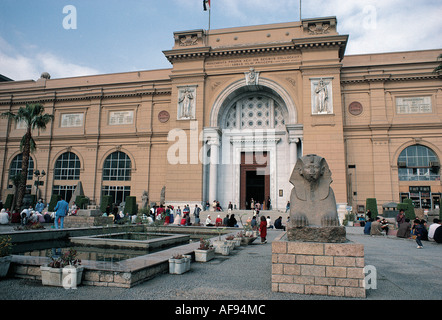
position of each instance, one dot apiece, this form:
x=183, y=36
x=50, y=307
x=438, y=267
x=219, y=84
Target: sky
x=70, y=38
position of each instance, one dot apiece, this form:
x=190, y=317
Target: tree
x=33, y=117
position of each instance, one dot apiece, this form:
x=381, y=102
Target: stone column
x=293, y=151
x=295, y=135
x=212, y=138
x=213, y=169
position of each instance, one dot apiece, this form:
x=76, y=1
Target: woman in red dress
x=263, y=229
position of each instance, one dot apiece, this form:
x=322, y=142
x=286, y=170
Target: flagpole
x=300, y=6
x=209, y=18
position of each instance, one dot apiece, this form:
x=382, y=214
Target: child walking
x=263, y=229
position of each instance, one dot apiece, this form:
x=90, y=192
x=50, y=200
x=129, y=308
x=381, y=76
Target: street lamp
x=37, y=183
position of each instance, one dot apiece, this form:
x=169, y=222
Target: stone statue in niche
x=321, y=97
x=186, y=104
x=252, y=77
x=313, y=212
x=313, y=200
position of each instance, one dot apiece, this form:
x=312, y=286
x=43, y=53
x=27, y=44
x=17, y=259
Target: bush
x=8, y=202
x=131, y=205
x=105, y=201
x=371, y=204
x=54, y=199
x=81, y=202
x=409, y=211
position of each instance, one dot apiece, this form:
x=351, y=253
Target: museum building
x=230, y=118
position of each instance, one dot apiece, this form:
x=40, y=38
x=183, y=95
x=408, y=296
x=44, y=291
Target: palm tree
x=33, y=116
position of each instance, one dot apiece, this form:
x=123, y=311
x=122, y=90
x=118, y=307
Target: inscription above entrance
x=247, y=62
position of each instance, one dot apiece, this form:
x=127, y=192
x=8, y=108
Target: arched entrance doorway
x=253, y=143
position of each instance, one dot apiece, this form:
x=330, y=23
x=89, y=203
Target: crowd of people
x=167, y=215
x=418, y=230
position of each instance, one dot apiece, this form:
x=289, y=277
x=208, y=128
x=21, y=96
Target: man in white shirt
x=436, y=223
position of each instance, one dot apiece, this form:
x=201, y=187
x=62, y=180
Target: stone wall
x=83, y=222
x=318, y=268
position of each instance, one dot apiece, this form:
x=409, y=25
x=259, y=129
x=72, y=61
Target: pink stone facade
x=318, y=268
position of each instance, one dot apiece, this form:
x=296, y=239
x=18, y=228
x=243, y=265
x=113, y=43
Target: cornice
x=60, y=97
x=295, y=44
x=389, y=77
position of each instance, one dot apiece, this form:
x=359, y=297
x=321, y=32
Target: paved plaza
x=403, y=273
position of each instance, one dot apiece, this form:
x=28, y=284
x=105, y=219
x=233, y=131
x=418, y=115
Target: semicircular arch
x=238, y=88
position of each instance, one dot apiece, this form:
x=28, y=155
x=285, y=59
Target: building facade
x=231, y=117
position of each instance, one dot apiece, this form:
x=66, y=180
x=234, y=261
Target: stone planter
x=204, y=255
x=68, y=277
x=237, y=242
x=4, y=265
x=223, y=249
x=179, y=266
x=232, y=244
x=247, y=240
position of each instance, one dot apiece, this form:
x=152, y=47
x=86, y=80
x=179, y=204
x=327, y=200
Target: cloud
x=30, y=65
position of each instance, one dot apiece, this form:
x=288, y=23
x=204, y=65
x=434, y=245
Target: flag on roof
x=206, y=5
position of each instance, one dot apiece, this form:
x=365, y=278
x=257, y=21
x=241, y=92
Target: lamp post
x=37, y=183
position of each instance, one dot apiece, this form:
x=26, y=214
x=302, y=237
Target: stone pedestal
x=93, y=212
x=87, y=221
x=331, y=269
x=317, y=234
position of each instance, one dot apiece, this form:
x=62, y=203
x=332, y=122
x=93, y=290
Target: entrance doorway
x=255, y=178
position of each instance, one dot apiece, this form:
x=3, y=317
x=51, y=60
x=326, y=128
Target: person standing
x=61, y=210
x=39, y=207
x=196, y=213
x=419, y=232
x=400, y=218
x=263, y=229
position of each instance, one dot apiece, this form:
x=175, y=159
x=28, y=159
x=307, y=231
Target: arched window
x=255, y=112
x=418, y=163
x=117, y=167
x=16, y=164
x=67, y=167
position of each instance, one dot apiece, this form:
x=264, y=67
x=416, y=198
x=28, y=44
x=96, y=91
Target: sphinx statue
x=312, y=200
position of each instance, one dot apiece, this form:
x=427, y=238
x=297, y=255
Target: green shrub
x=81, y=202
x=409, y=211
x=131, y=205
x=105, y=201
x=54, y=199
x=8, y=202
x=371, y=204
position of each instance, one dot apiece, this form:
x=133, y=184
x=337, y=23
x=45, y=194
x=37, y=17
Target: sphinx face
x=311, y=171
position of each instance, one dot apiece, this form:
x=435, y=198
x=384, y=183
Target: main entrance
x=255, y=178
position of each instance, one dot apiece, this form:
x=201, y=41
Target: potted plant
x=238, y=238
x=5, y=255
x=349, y=219
x=64, y=271
x=221, y=245
x=205, y=252
x=179, y=264
x=231, y=241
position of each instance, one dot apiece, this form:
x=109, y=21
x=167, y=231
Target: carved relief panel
x=322, y=95
x=186, y=103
